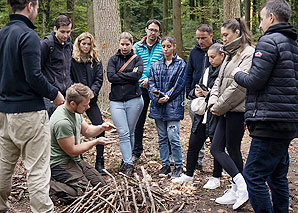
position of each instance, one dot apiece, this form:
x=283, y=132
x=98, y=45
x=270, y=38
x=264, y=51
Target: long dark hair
x=239, y=24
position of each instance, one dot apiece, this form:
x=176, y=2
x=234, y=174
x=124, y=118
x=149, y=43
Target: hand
x=59, y=99
x=105, y=141
x=135, y=69
x=107, y=126
x=144, y=83
x=214, y=113
x=163, y=100
x=198, y=92
x=233, y=73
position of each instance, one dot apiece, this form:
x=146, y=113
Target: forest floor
x=191, y=197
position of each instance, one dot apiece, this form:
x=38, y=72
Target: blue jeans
x=125, y=115
x=169, y=131
x=268, y=161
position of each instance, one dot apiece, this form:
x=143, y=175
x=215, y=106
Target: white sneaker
x=212, y=183
x=228, y=198
x=242, y=200
x=182, y=179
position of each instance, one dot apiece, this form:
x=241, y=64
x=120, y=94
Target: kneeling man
x=71, y=174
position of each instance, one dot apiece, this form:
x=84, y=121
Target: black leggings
x=228, y=134
x=95, y=117
x=196, y=142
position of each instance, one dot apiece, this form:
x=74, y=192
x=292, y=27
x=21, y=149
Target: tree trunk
x=192, y=16
x=90, y=17
x=44, y=15
x=165, y=22
x=177, y=26
x=247, y=12
x=231, y=9
x=70, y=10
x=107, y=30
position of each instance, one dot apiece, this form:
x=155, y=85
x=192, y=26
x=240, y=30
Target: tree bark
x=70, y=10
x=231, y=9
x=247, y=12
x=90, y=16
x=177, y=26
x=165, y=22
x=107, y=30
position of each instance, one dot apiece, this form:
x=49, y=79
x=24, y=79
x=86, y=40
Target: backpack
x=49, y=41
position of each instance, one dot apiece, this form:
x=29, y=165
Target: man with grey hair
x=71, y=174
x=24, y=124
x=271, y=108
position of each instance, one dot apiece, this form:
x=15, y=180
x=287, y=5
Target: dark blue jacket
x=55, y=65
x=197, y=62
x=22, y=85
x=169, y=81
x=272, y=96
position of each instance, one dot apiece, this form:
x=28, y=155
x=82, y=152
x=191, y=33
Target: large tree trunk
x=247, y=12
x=165, y=22
x=70, y=10
x=177, y=26
x=90, y=17
x=107, y=30
x=44, y=15
x=231, y=9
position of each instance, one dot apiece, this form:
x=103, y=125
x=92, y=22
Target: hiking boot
x=178, y=171
x=212, y=183
x=165, y=171
x=228, y=198
x=99, y=164
x=128, y=170
x=122, y=167
x=183, y=179
x=199, y=167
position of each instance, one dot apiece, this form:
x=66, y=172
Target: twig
x=108, y=202
x=134, y=200
x=148, y=189
x=141, y=189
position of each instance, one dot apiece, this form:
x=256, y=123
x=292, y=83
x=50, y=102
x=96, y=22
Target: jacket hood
x=67, y=42
x=284, y=28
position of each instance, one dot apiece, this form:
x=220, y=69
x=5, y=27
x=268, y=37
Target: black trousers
x=196, y=142
x=95, y=117
x=139, y=131
x=228, y=134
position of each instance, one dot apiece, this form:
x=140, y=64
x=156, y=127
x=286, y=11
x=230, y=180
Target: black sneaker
x=129, y=170
x=177, y=172
x=199, y=167
x=122, y=167
x=165, y=171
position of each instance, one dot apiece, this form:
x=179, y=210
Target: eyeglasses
x=153, y=30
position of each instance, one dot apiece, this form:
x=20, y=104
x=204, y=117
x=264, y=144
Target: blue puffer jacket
x=273, y=79
x=142, y=50
x=170, y=80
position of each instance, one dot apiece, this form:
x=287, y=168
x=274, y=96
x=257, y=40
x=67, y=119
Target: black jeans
x=95, y=117
x=228, y=134
x=196, y=142
x=139, y=131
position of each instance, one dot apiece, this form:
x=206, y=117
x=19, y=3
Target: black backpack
x=49, y=41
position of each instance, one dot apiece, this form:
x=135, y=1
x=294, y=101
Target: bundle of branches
x=126, y=194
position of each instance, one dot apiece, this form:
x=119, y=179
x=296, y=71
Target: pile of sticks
x=126, y=194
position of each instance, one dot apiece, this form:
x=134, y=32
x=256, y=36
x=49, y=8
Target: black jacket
x=55, y=64
x=124, y=84
x=211, y=119
x=197, y=62
x=272, y=97
x=92, y=71
x=22, y=85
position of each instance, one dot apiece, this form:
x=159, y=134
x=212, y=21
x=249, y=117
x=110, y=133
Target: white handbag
x=198, y=105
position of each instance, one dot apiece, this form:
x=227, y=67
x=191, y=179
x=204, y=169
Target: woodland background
x=106, y=19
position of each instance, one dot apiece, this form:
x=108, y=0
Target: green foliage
x=4, y=12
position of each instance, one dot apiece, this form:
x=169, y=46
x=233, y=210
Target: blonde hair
x=93, y=54
x=126, y=35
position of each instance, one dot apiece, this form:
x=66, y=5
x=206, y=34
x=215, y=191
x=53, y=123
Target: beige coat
x=226, y=94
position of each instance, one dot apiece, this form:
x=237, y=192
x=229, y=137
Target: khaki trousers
x=27, y=135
